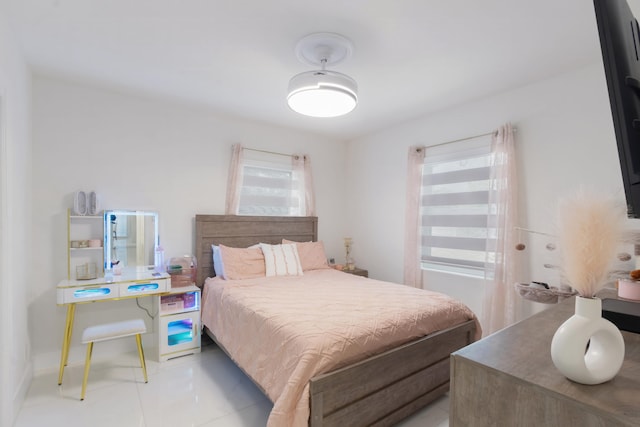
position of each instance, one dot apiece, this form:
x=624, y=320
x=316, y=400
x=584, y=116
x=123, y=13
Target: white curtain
x=234, y=181
x=501, y=304
x=302, y=167
x=412, y=271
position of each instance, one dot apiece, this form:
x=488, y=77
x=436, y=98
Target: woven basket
x=552, y=295
x=86, y=271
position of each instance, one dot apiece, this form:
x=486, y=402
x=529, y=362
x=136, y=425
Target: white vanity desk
x=131, y=284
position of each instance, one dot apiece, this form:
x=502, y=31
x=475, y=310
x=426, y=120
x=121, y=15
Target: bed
x=372, y=386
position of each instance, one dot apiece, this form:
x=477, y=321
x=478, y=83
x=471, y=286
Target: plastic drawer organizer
x=182, y=271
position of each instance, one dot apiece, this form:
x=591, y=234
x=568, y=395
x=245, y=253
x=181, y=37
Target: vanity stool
x=110, y=331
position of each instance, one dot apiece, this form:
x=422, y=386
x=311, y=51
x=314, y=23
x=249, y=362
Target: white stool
x=110, y=331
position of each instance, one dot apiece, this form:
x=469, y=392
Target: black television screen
x=620, y=44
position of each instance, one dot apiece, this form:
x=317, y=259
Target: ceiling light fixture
x=323, y=93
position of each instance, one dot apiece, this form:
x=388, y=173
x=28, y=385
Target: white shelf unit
x=84, y=228
x=178, y=323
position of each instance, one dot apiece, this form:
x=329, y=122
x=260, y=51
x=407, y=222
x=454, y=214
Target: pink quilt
x=285, y=330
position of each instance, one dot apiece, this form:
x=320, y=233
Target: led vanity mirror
x=130, y=239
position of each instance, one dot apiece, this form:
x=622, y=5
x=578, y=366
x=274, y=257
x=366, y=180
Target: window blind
x=455, y=210
x=269, y=190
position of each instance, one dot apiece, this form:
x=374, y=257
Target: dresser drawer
x=87, y=293
x=133, y=289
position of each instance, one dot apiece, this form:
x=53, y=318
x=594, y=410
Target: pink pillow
x=242, y=263
x=312, y=255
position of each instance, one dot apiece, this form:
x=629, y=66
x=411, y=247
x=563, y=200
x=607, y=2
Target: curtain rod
x=464, y=139
x=295, y=156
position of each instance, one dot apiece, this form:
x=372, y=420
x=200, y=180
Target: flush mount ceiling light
x=323, y=93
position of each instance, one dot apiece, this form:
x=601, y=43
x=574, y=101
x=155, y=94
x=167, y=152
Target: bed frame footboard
x=384, y=389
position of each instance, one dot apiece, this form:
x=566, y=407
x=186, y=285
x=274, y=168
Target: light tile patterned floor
x=204, y=390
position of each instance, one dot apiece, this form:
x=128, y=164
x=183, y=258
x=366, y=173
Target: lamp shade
x=322, y=93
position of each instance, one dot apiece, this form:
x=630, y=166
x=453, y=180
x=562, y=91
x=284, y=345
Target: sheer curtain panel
x=234, y=181
x=412, y=270
x=302, y=167
x=501, y=304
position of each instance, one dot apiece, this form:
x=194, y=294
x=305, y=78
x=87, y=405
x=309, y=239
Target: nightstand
x=357, y=272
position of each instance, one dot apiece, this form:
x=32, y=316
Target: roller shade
x=456, y=229
x=269, y=191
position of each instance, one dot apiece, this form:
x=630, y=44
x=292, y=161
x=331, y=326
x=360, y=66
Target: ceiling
x=411, y=57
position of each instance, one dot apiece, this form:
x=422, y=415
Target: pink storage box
x=629, y=289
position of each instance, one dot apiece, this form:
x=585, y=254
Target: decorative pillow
x=312, y=254
x=242, y=263
x=218, y=265
x=281, y=260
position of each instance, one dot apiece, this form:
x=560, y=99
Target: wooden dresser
x=508, y=379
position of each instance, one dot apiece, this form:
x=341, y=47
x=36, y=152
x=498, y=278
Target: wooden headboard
x=244, y=231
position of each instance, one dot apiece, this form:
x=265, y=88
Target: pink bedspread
x=283, y=331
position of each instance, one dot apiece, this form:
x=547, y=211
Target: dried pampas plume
x=589, y=230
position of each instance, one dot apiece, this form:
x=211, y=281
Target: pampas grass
x=589, y=230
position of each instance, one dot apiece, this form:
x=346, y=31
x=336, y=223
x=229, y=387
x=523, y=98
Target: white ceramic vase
x=587, y=348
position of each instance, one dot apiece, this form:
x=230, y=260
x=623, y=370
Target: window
x=455, y=210
x=269, y=183
x=270, y=188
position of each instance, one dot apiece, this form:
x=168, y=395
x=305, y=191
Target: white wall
x=564, y=139
x=142, y=153
x=15, y=219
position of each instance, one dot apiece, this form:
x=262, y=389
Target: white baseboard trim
x=22, y=389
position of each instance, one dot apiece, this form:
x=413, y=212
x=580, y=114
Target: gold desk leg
x=73, y=319
x=141, y=354
x=66, y=340
x=87, y=363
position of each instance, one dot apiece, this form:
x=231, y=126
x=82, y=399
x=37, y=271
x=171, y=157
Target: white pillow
x=218, y=266
x=281, y=260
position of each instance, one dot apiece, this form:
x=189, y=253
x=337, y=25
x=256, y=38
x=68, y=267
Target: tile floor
x=204, y=390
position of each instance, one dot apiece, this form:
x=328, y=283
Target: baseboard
x=22, y=389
